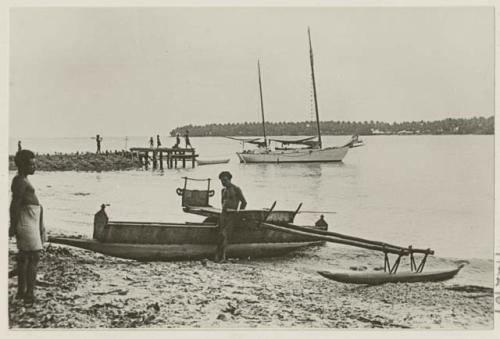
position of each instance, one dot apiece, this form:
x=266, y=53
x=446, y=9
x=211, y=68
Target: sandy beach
x=81, y=289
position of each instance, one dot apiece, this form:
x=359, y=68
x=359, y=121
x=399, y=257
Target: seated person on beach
x=321, y=223
x=26, y=224
x=232, y=197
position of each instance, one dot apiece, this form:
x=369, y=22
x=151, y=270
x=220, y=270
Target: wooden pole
x=328, y=238
x=146, y=157
x=348, y=237
x=314, y=87
x=161, y=160
x=262, y=105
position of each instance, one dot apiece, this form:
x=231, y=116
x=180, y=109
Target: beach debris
x=358, y=268
x=470, y=289
x=43, y=283
x=154, y=306
x=232, y=309
x=117, y=291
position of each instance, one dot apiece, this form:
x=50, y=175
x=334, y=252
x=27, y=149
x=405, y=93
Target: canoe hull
x=202, y=162
x=175, y=252
x=377, y=278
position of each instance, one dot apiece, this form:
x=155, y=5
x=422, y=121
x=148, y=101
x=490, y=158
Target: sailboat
x=310, y=149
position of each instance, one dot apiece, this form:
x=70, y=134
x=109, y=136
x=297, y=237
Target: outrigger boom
x=339, y=238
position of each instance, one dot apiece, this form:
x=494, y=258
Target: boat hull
x=148, y=252
x=201, y=234
x=377, y=278
x=331, y=154
x=201, y=162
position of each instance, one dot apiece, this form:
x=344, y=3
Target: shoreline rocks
x=88, y=162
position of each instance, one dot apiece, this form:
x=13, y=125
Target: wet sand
x=81, y=289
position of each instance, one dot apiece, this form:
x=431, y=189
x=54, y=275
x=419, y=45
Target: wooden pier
x=168, y=154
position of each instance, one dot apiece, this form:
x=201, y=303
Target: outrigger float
x=255, y=233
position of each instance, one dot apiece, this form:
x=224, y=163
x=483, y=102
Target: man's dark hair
x=23, y=157
x=225, y=174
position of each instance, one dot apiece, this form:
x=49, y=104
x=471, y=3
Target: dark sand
x=81, y=289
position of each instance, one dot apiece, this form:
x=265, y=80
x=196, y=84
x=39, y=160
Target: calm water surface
x=429, y=191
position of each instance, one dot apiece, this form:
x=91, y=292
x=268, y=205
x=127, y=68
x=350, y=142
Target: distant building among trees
x=476, y=125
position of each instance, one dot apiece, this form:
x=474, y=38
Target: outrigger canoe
x=161, y=241
x=254, y=233
x=378, y=278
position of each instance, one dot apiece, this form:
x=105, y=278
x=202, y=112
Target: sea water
x=427, y=191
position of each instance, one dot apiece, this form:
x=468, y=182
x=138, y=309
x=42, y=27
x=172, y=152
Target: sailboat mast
x=262, y=105
x=314, y=87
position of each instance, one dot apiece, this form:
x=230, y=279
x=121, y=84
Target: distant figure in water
x=151, y=142
x=98, y=140
x=321, y=223
x=177, y=140
x=158, y=142
x=26, y=224
x=186, y=138
x=232, y=196
x=19, y=146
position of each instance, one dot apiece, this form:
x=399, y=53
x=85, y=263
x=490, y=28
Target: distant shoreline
x=475, y=126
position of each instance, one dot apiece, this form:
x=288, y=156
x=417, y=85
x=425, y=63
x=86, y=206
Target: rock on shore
x=107, y=161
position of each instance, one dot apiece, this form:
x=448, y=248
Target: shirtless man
x=232, y=196
x=186, y=138
x=26, y=224
x=98, y=140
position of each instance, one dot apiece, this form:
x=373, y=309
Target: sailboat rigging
x=310, y=150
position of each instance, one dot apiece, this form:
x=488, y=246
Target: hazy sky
x=130, y=71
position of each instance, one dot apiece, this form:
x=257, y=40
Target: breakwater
x=87, y=162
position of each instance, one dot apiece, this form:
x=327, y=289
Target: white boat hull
x=202, y=162
x=331, y=154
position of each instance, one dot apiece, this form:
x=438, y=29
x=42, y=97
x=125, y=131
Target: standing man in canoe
x=26, y=224
x=232, y=196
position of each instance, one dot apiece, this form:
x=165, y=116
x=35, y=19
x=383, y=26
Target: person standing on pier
x=158, y=142
x=186, y=138
x=177, y=140
x=151, y=142
x=26, y=224
x=232, y=196
x=98, y=140
x=19, y=146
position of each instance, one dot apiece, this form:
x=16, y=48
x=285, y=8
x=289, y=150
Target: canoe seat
x=195, y=198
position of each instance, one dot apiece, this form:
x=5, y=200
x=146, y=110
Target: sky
x=142, y=71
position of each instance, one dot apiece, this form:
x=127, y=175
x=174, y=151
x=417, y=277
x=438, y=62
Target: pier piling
x=172, y=156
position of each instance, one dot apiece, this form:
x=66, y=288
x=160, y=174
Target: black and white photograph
x=251, y=167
